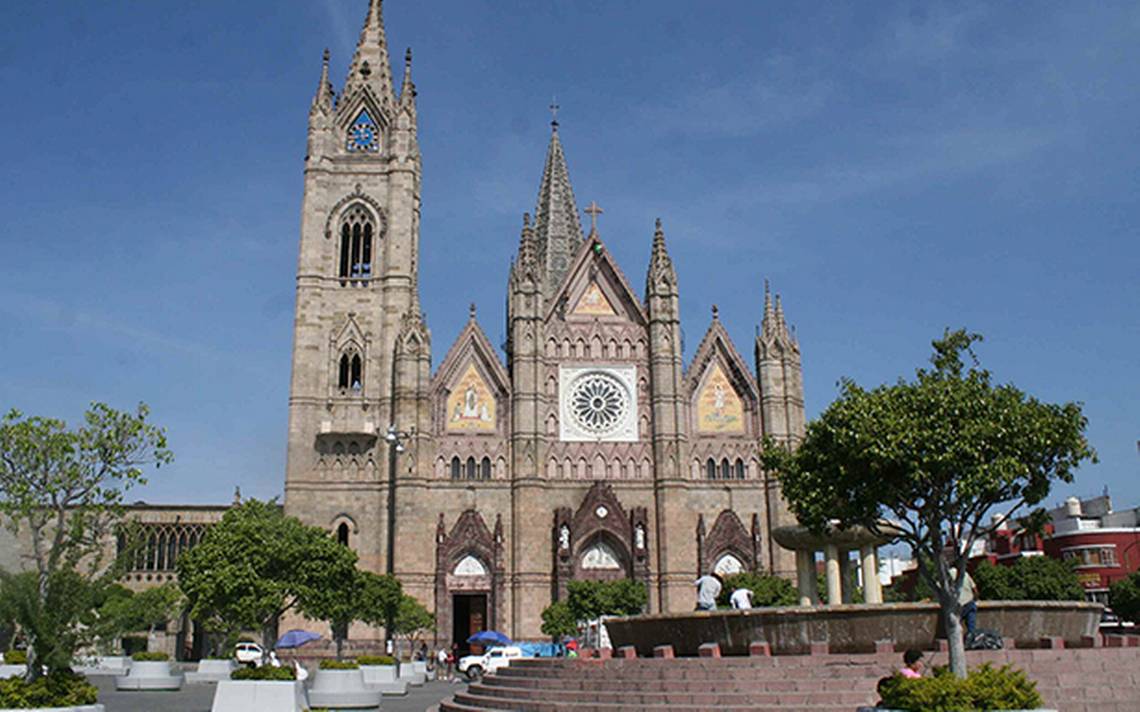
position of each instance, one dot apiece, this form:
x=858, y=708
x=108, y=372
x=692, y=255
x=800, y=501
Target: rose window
x=598, y=403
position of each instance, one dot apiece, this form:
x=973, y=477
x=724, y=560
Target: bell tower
x=356, y=293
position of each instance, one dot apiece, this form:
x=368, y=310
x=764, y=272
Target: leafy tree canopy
x=367, y=597
x=256, y=564
x=558, y=621
x=1030, y=578
x=63, y=488
x=1124, y=597
x=932, y=456
x=593, y=599
x=412, y=618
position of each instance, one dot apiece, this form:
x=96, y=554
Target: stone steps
x=1082, y=680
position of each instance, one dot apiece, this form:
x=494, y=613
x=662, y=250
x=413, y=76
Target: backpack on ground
x=984, y=640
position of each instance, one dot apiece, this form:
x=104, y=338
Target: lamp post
x=394, y=437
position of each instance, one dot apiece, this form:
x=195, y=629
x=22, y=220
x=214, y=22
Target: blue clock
x=364, y=135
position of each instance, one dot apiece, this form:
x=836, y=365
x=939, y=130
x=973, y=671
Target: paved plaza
x=199, y=696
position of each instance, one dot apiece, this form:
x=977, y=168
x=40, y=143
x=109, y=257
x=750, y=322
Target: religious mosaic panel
x=593, y=303
x=719, y=408
x=471, y=405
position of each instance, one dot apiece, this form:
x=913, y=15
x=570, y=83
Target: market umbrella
x=489, y=637
x=296, y=638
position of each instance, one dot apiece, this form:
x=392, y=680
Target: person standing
x=441, y=672
x=708, y=588
x=968, y=599
x=741, y=599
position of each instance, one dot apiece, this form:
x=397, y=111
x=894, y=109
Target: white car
x=475, y=666
x=247, y=653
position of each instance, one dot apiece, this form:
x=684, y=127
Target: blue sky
x=893, y=169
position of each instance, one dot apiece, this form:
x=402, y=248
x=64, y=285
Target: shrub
x=1124, y=597
x=339, y=665
x=767, y=590
x=145, y=657
x=16, y=657
x=375, y=660
x=1031, y=578
x=985, y=688
x=266, y=672
x=59, y=689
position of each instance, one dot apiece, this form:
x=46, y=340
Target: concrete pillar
x=846, y=576
x=872, y=589
x=805, y=577
x=831, y=571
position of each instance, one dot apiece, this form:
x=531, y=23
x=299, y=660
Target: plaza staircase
x=1082, y=680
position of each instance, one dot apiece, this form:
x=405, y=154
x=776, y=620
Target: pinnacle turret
x=408, y=87
x=556, y=226
x=370, y=66
x=661, y=275
x=323, y=98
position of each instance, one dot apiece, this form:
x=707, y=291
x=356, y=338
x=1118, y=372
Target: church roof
x=472, y=344
x=556, y=225
x=717, y=342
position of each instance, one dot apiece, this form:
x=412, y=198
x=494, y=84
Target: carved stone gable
x=727, y=537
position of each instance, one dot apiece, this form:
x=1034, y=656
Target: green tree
x=1030, y=578
x=63, y=488
x=767, y=590
x=411, y=619
x=256, y=564
x=933, y=456
x=558, y=621
x=369, y=597
x=1124, y=597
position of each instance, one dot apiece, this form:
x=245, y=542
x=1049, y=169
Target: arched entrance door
x=469, y=577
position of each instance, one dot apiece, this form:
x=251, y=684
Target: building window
x=356, y=245
x=1091, y=556
x=485, y=468
x=739, y=469
x=472, y=473
x=456, y=468
x=342, y=534
x=710, y=469
x=725, y=470
x=350, y=372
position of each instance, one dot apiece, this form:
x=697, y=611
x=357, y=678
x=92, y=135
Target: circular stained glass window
x=598, y=403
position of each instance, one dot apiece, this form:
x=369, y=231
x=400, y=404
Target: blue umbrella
x=296, y=638
x=489, y=637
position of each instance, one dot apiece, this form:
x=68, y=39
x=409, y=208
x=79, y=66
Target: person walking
x=708, y=588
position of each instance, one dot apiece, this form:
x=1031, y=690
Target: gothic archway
x=469, y=576
x=728, y=546
x=599, y=541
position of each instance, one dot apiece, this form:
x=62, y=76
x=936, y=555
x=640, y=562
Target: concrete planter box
x=384, y=679
x=409, y=674
x=105, y=665
x=86, y=708
x=7, y=671
x=149, y=675
x=260, y=695
x=851, y=628
x=342, y=689
x=420, y=666
x=211, y=671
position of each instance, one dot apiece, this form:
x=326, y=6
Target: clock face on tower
x=364, y=135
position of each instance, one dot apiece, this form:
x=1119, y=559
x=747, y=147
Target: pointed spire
x=769, y=322
x=556, y=224
x=528, y=250
x=322, y=99
x=780, y=316
x=408, y=87
x=370, y=66
x=471, y=311
x=660, y=274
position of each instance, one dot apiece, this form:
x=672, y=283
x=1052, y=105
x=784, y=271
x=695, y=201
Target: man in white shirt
x=741, y=599
x=708, y=588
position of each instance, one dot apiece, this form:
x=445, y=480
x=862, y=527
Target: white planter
x=384, y=679
x=409, y=674
x=211, y=671
x=342, y=689
x=86, y=708
x=149, y=675
x=7, y=671
x=420, y=666
x=260, y=695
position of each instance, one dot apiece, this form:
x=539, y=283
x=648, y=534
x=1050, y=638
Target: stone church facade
x=591, y=452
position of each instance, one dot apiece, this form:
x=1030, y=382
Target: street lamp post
x=394, y=437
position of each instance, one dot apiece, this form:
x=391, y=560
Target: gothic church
x=592, y=452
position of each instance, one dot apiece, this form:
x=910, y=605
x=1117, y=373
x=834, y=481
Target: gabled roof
x=472, y=344
x=594, y=261
x=717, y=344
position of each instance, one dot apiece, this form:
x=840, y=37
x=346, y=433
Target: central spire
x=370, y=65
x=556, y=225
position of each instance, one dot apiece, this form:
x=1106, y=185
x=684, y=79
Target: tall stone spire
x=556, y=225
x=408, y=87
x=322, y=99
x=370, y=66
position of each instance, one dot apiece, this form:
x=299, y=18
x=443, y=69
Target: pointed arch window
x=739, y=467
x=342, y=534
x=456, y=468
x=710, y=469
x=472, y=473
x=356, y=233
x=725, y=470
x=350, y=372
x=485, y=469
x=364, y=134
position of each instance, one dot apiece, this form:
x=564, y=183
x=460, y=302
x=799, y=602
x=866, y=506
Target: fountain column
x=805, y=577
x=831, y=571
x=872, y=589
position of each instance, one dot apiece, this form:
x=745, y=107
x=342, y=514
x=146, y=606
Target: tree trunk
x=339, y=648
x=952, y=614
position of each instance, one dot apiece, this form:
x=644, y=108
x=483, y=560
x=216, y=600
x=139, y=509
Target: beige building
x=592, y=452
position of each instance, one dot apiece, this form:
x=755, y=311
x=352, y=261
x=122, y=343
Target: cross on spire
x=554, y=107
x=593, y=210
